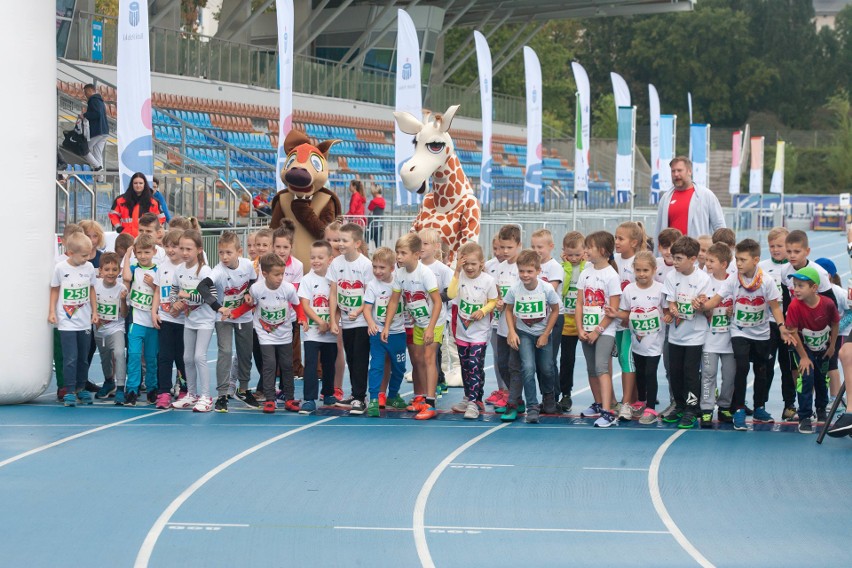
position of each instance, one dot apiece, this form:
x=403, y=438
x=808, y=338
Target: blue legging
x=395, y=351
x=472, y=358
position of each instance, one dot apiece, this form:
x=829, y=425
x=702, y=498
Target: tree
x=840, y=154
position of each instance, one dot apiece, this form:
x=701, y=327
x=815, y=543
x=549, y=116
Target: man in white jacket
x=689, y=207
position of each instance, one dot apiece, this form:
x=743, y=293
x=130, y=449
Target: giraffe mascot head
x=451, y=207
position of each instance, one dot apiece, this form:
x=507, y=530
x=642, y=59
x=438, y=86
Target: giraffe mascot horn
x=451, y=207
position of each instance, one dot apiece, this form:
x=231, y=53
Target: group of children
x=703, y=305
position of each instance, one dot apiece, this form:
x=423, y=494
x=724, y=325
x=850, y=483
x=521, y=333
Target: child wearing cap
x=815, y=319
x=841, y=297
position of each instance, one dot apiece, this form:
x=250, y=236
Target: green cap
x=806, y=273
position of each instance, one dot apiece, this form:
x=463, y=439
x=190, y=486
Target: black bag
x=75, y=142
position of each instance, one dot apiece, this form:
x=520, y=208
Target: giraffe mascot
x=451, y=207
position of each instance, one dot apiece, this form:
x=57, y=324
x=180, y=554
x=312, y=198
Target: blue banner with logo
x=97, y=41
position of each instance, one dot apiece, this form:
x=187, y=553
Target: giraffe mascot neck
x=451, y=207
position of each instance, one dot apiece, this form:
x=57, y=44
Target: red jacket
x=356, y=205
x=121, y=215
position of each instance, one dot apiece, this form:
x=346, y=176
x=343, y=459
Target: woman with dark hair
x=356, y=213
x=135, y=202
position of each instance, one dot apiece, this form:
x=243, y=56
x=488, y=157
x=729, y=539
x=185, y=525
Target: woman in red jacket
x=356, y=211
x=135, y=202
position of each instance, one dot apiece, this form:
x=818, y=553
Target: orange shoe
x=417, y=404
x=383, y=398
x=269, y=407
x=338, y=394
x=426, y=413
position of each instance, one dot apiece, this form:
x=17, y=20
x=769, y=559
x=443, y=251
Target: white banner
x=135, y=142
x=620, y=90
x=755, y=175
x=583, y=129
x=736, y=170
x=699, y=146
x=408, y=97
x=532, y=177
x=668, y=133
x=777, y=183
x=483, y=61
x=689, y=102
x=625, y=144
x=284, y=10
x=654, y=103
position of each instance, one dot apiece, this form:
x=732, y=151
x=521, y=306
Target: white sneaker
x=204, y=404
x=186, y=402
x=625, y=412
x=472, y=412
x=461, y=406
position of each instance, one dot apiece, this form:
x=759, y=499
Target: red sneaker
x=292, y=405
x=60, y=394
x=338, y=394
x=426, y=413
x=383, y=398
x=417, y=404
x=269, y=407
x=496, y=397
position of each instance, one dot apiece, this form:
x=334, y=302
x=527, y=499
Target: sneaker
x=760, y=415
x=308, y=407
x=606, y=419
x=706, y=418
x=186, y=402
x=248, y=398
x=130, y=398
x=533, y=414
x=85, y=397
x=221, y=404
x=152, y=396
x=495, y=397
x=687, y=420
x=60, y=394
x=625, y=412
x=374, y=408
x=292, y=405
x=674, y=414
x=841, y=427
x=338, y=394
x=281, y=398
x=383, y=400
x=69, y=399
x=472, y=412
x=107, y=390
x=119, y=397
x=440, y=389
x=91, y=387
x=788, y=413
x=725, y=417
x=164, y=400
x=510, y=414
x=204, y=404
x=649, y=416
x=396, y=402
x=748, y=410
x=426, y=412
x=345, y=402
x=638, y=410
x=565, y=403
x=461, y=406
x=805, y=426
x=740, y=420
x=259, y=396
x=594, y=411
x=330, y=401
x=548, y=404
x=357, y=407
x=821, y=415
x=269, y=407
x=668, y=409
x=181, y=394
x=418, y=403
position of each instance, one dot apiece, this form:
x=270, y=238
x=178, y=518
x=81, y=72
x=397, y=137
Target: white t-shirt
x=351, y=279
x=315, y=289
x=626, y=275
x=688, y=327
x=842, y=308
x=109, y=308
x=552, y=271
x=507, y=276
x=472, y=296
x=378, y=295
x=443, y=274
x=719, y=323
x=416, y=288
x=272, y=312
x=751, y=309
x=492, y=267
x=531, y=308
x=74, y=304
x=646, y=307
x=595, y=288
x=663, y=270
x=140, y=297
x=776, y=270
x=163, y=278
x=824, y=278
x=199, y=315
x=294, y=271
x=232, y=285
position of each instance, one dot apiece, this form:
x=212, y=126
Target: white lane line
x=147, y=548
x=39, y=449
x=617, y=468
x=484, y=464
x=422, y=497
x=441, y=528
x=660, y=507
x=206, y=525
x=404, y=529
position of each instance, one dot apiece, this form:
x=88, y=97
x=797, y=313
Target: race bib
x=349, y=299
x=570, y=301
x=592, y=317
x=419, y=311
x=191, y=305
x=748, y=315
x=685, y=310
x=74, y=294
x=382, y=308
x=108, y=311
x=816, y=340
x=645, y=323
x=467, y=309
x=503, y=291
x=719, y=320
x=165, y=304
x=141, y=298
x=233, y=298
x=530, y=310
x=273, y=317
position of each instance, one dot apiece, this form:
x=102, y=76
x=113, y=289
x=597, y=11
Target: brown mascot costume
x=306, y=202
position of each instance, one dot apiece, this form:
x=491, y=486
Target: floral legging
x=472, y=357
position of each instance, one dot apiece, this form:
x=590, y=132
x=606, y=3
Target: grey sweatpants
x=195, y=344
x=501, y=383
x=113, y=357
x=241, y=333
x=709, y=368
x=277, y=358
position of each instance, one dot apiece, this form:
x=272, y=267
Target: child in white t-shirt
x=492, y=268
x=430, y=256
x=474, y=295
x=376, y=302
x=282, y=245
x=551, y=272
x=629, y=239
x=139, y=275
x=109, y=332
x=170, y=328
x=509, y=241
x=73, y=310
